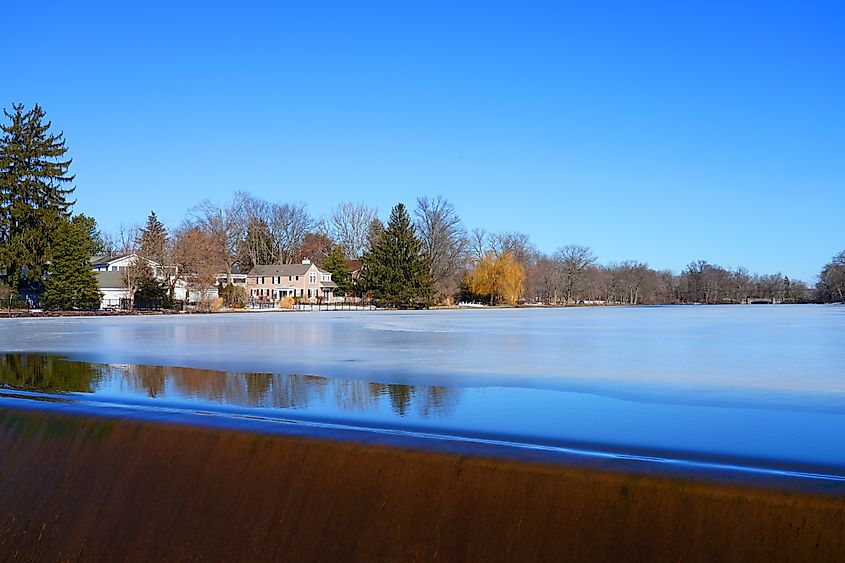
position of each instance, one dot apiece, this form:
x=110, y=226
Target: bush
x=233, y=296
x=286, y=302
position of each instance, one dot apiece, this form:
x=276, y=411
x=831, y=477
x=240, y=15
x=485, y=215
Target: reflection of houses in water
x=286, y=391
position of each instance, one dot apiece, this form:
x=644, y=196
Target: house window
x=312, y=279
x=259, y=280
x=114, y=268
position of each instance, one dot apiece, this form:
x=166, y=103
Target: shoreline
x=26, y=314
x=101, y=488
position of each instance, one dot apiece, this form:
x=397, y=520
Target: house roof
x=235, y=272
x=354, y=265
x=104, y=259
x=110, y=280
x=283, y=270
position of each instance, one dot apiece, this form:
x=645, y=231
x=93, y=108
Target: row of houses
x=264, y=283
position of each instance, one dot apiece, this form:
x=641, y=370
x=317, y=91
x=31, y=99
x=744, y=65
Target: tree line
x=422, y=255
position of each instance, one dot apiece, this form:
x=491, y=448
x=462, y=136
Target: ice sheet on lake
x=772, y=355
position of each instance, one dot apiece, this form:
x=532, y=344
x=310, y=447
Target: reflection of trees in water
x=52, y=373
x=40, y=372
x=429, y=400
x=293, y=391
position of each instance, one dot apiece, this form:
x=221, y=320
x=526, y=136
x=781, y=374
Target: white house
x=110, y=271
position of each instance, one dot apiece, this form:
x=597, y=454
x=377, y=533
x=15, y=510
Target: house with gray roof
x=271, y=282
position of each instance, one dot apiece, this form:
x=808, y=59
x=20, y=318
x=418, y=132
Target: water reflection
x=37, y=372
x=34, y=372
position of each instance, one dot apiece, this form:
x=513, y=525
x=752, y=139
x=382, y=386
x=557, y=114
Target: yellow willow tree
x=500, y=278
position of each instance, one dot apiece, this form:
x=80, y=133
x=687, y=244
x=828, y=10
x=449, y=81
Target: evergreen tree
x=150, y=291
x=33, y=203
x=335, y=263
x=71, y=284
x=396, y=270
x=152, y=240
x=89, y=225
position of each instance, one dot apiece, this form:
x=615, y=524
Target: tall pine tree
x=152, y=240
x=33, y=202
x=71, y=284
x=395, y=270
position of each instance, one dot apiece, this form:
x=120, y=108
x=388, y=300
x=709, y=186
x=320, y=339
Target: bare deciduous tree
x=573, y=260
x=289, y=224
x=518, y=244
x=349, y=225
x=226, y=227
x=198, y=255
x=134, y=275
x=126, y=241
x=444, y=242
x=478, y=244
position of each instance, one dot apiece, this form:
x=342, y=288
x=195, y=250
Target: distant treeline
x=421, y=256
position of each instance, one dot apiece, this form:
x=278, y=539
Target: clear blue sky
x=665, y=132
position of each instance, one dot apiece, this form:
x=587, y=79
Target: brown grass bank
x=95, y=489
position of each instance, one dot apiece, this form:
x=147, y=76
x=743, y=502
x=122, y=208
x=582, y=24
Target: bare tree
x=374, y=233
x=444, y=242
x=198, y=255
x=136, y=272
x=126, y=241
x=315, y=247
x=349, y=225
x=518, y=244
x=573, y=260
x=544, y=279
x=226, y=226
x=831, y=284
x=289, y=224
x=126, y=244
x=257, y=246
x=478, y=244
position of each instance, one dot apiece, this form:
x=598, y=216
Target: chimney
x=306, y=261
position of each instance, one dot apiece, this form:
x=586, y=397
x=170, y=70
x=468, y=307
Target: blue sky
x=665, y=132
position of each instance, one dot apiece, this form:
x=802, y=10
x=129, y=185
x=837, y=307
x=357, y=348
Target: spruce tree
x=395, y=270
x=153, y=239
x=335, y=263
x=70, y=283
x=89, y=225
x=33, y=203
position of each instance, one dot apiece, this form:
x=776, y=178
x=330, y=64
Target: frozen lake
x=752, y=385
